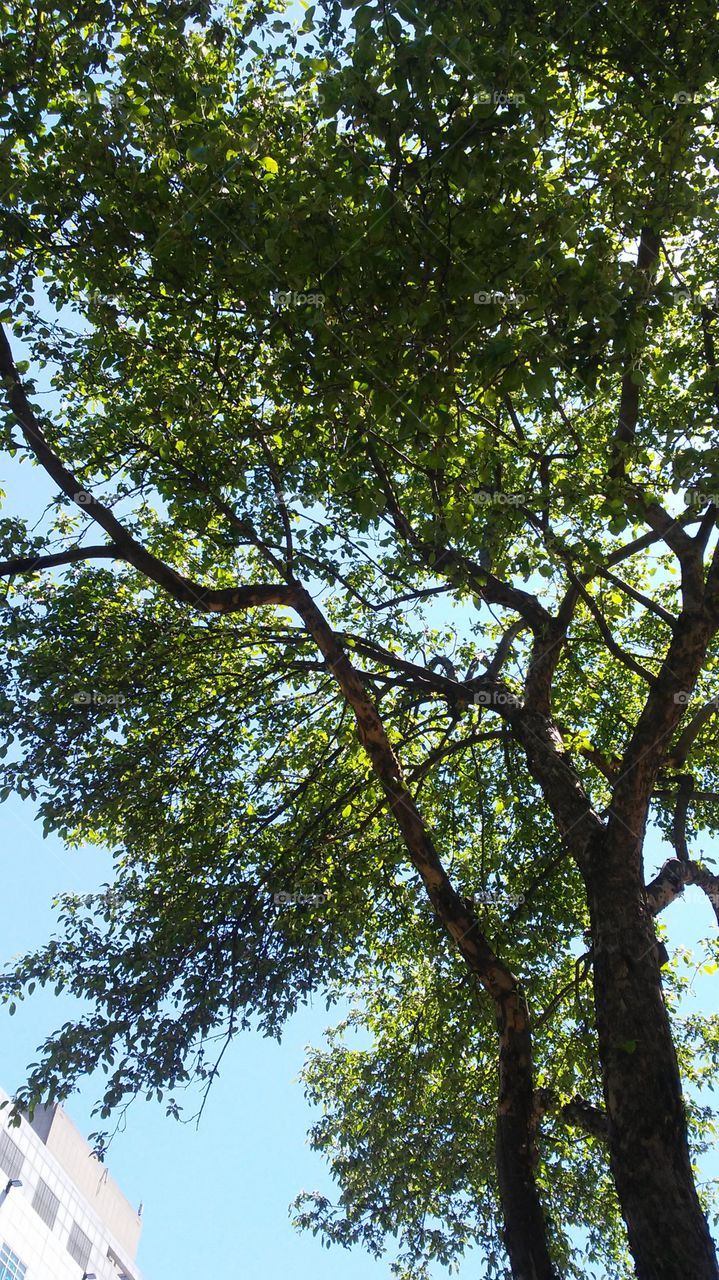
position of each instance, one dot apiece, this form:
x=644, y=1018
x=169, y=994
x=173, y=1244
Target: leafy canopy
x=353, y=297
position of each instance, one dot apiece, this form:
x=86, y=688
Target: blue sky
x=216, y=1199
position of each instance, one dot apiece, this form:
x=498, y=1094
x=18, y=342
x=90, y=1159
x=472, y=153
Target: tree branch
x=182, y=589
x=483, y=583
x=504, y=648
x=603, y=627
x=679, y=825
x=583, y=1115
x=648, y=745
x=520, y=1198
x=35, y=564
x=640, y=598
x=647, y=262
x=675, y=875
x=577, y=1112
x=689, y=735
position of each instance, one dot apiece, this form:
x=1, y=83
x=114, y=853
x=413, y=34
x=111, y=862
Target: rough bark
x=524, y=1223
x=648, y=1150
x=647, y=1132
x=649, y=1154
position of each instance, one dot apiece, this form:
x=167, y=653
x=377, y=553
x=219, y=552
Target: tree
x=385, y=381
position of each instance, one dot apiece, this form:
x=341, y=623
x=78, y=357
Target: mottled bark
x=647, y=1132
x=670, y=882
x=648, y=1150
x=524, y=1224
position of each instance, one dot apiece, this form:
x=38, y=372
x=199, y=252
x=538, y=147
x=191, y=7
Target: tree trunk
x=525, y=1228
x=649, y=1156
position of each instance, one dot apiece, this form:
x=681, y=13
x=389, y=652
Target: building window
x=11, y=1157
x=78, y=1246
x=118, y=1264
x=45, y=1204
x=11, y=1268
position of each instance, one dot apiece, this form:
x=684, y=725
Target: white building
x=61, y=1215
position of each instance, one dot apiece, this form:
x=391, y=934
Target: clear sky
x=216, y=1199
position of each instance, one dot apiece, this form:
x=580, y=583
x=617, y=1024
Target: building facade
x=62, y=1217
